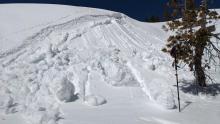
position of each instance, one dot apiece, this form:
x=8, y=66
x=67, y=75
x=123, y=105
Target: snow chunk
x=94, y=100
x=64, y=90
x=161, y=93
x=116, y=72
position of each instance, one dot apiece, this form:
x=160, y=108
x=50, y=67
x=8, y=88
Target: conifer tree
x=193, y=33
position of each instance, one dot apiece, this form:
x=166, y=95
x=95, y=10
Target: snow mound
x=56, y=63
x=94, y=100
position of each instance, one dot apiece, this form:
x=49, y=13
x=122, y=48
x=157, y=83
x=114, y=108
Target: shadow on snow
x=192, y=88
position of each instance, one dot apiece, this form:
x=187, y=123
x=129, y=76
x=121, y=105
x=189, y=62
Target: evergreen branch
x=214, y=47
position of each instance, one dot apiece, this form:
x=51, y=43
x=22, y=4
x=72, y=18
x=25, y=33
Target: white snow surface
x=55, y=60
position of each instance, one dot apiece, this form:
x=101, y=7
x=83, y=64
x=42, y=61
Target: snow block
x=117, y=74
x=161, y=93
x=65, y=90
x=94, y=100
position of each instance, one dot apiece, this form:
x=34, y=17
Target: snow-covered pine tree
x=193, y=33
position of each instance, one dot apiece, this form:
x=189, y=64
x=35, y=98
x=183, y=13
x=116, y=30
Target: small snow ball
x=93, y=100
x=65, y=91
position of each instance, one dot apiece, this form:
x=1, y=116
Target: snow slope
x=62, y=64
x=18, y=21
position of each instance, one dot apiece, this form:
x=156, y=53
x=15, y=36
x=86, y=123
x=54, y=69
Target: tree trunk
x=199, y=71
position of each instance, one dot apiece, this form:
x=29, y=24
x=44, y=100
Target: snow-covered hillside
x=62, y=64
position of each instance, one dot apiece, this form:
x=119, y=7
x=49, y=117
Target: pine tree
x=192, y=36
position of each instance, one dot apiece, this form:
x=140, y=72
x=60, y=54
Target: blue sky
x=138, y=9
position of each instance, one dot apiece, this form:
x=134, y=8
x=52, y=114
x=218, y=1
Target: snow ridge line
x=43, y=33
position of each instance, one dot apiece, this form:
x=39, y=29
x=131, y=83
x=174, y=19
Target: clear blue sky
x=138, y=9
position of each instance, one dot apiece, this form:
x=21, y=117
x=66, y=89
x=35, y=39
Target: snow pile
x=56, y=65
